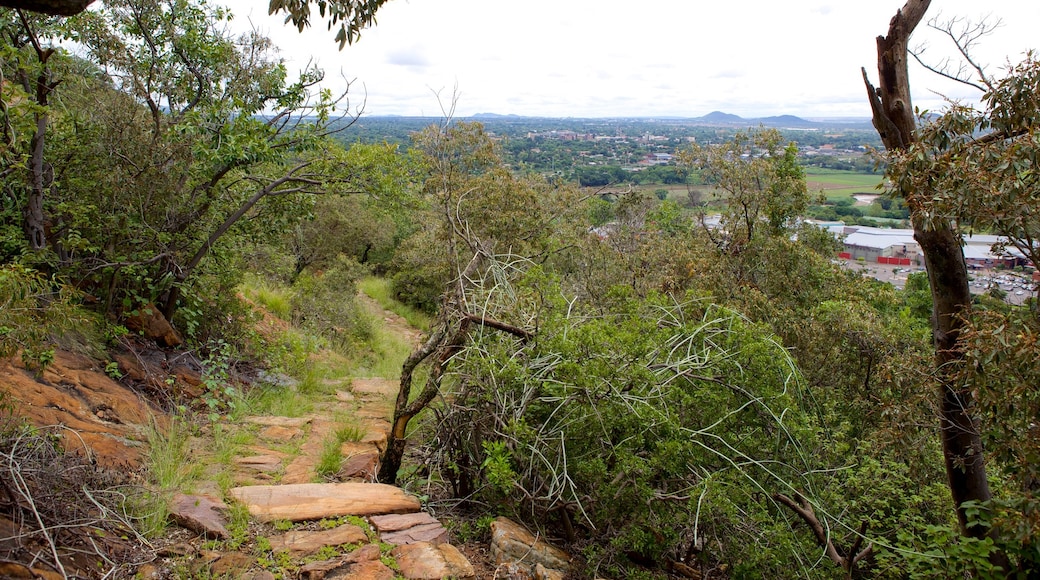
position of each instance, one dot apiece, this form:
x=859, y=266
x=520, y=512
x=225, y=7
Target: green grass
x=168, y=471
x=378, y=289
x=276, y=299
x=837, y=184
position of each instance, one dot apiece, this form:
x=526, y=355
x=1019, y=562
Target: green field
x=837, y=184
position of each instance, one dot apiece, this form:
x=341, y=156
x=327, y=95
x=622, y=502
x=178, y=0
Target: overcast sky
x=611, y=58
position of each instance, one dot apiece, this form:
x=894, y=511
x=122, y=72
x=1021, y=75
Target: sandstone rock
x=375, y=387
x=312, y=501
x=319, y=570
x=230, y=564
x=148, y=321
x=425, y=561
x=266, y=463
x=305, y=542
x=200, y=514
x=543, y=573
x=362, y=466
x=71, y=392
x=371, y=570
x=279, y=433
x=267, y=421
x=430, y=533
x=398, y=522
x=511, y=542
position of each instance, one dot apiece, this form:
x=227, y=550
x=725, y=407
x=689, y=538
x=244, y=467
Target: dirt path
x=308, y=484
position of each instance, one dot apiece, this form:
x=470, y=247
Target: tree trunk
x=894, y=119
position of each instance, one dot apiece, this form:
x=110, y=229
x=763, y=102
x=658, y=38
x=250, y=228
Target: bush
x=326, y=304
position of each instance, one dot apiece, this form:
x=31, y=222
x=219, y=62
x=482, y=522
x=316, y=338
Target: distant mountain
x=721, y=118
x=785, y=121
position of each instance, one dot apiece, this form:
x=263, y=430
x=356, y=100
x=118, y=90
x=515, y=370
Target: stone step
x=313, y=501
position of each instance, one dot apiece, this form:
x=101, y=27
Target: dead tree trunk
x=894, y=119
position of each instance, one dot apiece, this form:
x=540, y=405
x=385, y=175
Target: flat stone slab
x=313, y=501
x=306, y=542
x=268, y=421
x=398, y=522
x=425, y=561
x=260, y=462
x=430, y=533
x=280, y=433
x=402, y=529
x=376, y=386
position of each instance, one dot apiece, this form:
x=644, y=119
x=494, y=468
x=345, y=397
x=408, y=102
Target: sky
x=620, y=58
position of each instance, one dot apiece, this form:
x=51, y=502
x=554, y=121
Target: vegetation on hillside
x=660, y=395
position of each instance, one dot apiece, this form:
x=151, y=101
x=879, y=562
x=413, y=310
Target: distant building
x=897, y=246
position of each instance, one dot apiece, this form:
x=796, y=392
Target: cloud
x=414, y=57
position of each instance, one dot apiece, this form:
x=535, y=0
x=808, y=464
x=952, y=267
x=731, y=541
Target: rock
x=362, y=466
x=148, y=572
x=305, y=542
x=511, y=542
x=267, y=421
x=398, y=522
x=409, y=528
x=230, y=564
x=178, y=550
x=375, y=387
x=312, y=501
x=266, y=463
x=431, y=533
x=70, y=392
x=200, y=514
x=371, y=570
x=149, y=322
x=425, y=561
x=543, y=573
x=260, y=575
x=279, y=433
x=319, y=570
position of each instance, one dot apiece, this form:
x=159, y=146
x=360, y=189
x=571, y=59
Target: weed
x=283, y=525
x=330, y=459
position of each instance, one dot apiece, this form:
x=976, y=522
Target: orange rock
x=99, y=416
x=150, y=323
x=313, y=501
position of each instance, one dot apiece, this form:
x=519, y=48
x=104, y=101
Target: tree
x=896, y=122
x=758, y=177
x=175, y=137
x=353, y=16
x=486, y=223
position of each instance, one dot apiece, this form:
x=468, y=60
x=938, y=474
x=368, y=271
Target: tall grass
x=168, y=470
x=276, y=299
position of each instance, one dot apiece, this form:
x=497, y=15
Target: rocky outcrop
x=98, y=416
